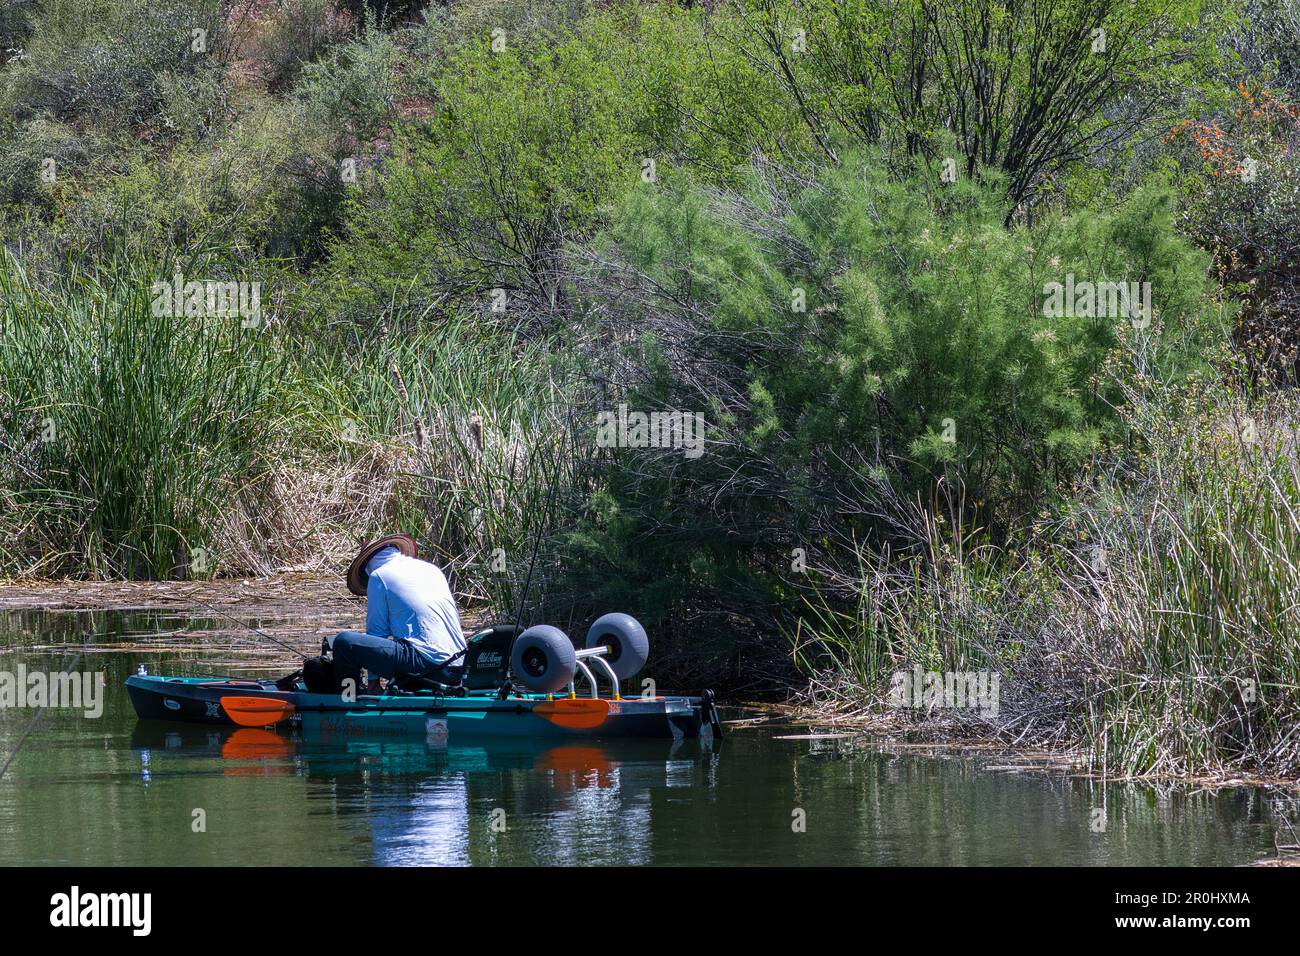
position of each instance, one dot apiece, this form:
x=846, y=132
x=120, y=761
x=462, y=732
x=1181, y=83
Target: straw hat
x=357, y=576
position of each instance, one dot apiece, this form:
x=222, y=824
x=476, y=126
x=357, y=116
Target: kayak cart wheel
x=627, y=642
x=544, y=660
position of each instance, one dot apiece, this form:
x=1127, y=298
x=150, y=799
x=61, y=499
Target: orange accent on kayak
x=581, y=713
x=256, y=711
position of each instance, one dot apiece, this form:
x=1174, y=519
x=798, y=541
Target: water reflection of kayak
x=573, y=765
x=436, y=719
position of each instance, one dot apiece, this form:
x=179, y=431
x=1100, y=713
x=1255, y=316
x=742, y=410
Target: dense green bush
x=529, y=146
x=450, y=27
x=40, y=151
x=15, y=23
x=105, y=61
x=352, y=91
x=1026, y=88
x=510, y=154
x=284, y=38
x=855, y=344
x=1267, y=40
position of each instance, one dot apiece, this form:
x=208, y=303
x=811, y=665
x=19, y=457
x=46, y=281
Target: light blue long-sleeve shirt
x=408, y=598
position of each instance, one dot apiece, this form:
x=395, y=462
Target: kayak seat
x=486, y=656
x=446, y=682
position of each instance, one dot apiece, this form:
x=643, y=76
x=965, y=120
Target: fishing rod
x=255, y=630
x=36, y=719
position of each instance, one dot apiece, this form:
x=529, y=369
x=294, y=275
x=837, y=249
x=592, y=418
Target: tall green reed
x=1191, y=641
x=939, y=605
x=481, y=428
x=126, y=428
x=1150, y=622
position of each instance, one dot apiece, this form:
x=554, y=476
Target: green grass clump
x=1189, y=639
x=480, y=421
x=124, y=430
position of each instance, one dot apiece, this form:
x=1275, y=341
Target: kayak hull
x=436, y=718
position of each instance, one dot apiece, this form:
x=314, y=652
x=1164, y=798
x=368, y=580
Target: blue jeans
x=381, y=657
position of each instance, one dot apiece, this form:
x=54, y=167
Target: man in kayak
x=412, y=627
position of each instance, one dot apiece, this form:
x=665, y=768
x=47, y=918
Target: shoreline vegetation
x=826, y=338
x=212, y=606
x=281, y=598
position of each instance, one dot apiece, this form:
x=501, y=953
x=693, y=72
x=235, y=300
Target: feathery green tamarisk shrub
x=859, y=341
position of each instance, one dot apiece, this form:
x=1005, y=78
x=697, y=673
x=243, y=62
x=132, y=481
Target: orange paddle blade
x=256, y=711
x=575, y=713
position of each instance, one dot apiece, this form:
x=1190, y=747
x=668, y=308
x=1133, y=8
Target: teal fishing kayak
x=232, y=702
x=513, y=683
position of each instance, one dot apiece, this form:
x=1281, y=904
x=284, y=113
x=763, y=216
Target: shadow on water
x=111, y=790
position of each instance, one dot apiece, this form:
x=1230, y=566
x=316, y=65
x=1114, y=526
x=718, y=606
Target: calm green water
x=112, y=791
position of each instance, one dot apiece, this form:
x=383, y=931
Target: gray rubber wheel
x=544, y=659
x=625, y=637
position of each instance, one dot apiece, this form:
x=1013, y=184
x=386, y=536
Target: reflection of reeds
x=192, y=643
